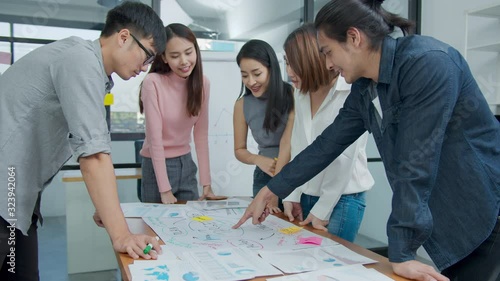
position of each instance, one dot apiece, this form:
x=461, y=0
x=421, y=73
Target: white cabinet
x=482, y=50
x=89, y=246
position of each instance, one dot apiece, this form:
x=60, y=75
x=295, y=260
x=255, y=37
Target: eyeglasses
x=149, y=56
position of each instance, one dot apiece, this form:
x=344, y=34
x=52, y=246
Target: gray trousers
x=181, y=172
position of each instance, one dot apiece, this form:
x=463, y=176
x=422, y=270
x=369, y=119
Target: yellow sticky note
x=291, y=230
x=202, y=218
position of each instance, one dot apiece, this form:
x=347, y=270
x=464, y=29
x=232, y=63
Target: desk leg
x=89, y=246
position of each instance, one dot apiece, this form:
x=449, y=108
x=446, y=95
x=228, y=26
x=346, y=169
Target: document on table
x=138, y=210
x=166, y=254
x=221, y=265
x=152, y=270
x=347, y=273
x=220, y=204
x=199, y=231
x=230, y=264
x=295, y=261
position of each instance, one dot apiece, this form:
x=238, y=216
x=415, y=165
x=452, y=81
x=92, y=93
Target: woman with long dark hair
x=174, y=97
x=263, y=106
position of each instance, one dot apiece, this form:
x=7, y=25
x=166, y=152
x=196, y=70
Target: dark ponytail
x=337, y=16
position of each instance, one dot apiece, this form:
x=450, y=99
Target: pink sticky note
x=313, y=240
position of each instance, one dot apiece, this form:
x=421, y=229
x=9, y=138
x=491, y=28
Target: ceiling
x=228, y=19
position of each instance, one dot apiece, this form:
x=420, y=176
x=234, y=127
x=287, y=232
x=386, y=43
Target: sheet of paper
x=166, y=254
x=138, y=210
x=232, y=212
x=230, y=264
x=347, y=256
x=295, y=261
x=230, y=203
x=152, y=270
x=181, y=234
x=347, y=273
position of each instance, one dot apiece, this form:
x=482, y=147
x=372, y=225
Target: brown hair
x=195, y=80
x=305, y=59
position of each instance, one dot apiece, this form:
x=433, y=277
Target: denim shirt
x=438, y=140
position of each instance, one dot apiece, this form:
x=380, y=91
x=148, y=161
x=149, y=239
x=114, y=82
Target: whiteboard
x=230, y=177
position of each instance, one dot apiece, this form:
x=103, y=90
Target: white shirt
x=349, y=173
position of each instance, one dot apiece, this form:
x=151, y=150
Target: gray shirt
x=254, y=110
x=51, y=107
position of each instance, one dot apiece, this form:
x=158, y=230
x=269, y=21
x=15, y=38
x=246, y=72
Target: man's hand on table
x=134, y=245
x=257, y=209
x=416, y=270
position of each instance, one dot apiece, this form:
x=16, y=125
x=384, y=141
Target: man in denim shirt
x=51, y=108
x=437, y=137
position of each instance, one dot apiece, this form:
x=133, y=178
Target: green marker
x=149, y=246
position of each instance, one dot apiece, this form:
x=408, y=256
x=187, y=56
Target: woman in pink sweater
x=175, y=97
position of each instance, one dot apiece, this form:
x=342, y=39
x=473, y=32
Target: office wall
x=445, y=19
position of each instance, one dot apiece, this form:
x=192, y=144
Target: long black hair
x=337, y=16
x=278, y=92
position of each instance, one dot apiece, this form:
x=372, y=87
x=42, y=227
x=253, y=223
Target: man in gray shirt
x=51, y=107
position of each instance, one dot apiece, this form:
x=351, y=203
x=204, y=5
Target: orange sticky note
x=291, y=230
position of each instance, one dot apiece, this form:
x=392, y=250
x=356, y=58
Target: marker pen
x=149, y=246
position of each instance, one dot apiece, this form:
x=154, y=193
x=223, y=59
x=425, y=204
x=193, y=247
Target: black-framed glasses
x=149, y=56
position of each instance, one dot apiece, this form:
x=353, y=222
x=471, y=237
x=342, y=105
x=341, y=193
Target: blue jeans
x=346, y=216
x=260, y=179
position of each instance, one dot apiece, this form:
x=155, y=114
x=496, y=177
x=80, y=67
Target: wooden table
x=121, y=174
x=138, y=226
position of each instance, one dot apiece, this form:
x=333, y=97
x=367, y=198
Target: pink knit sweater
x=169, y=127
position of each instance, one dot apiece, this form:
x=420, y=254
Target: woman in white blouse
x=334, y=200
